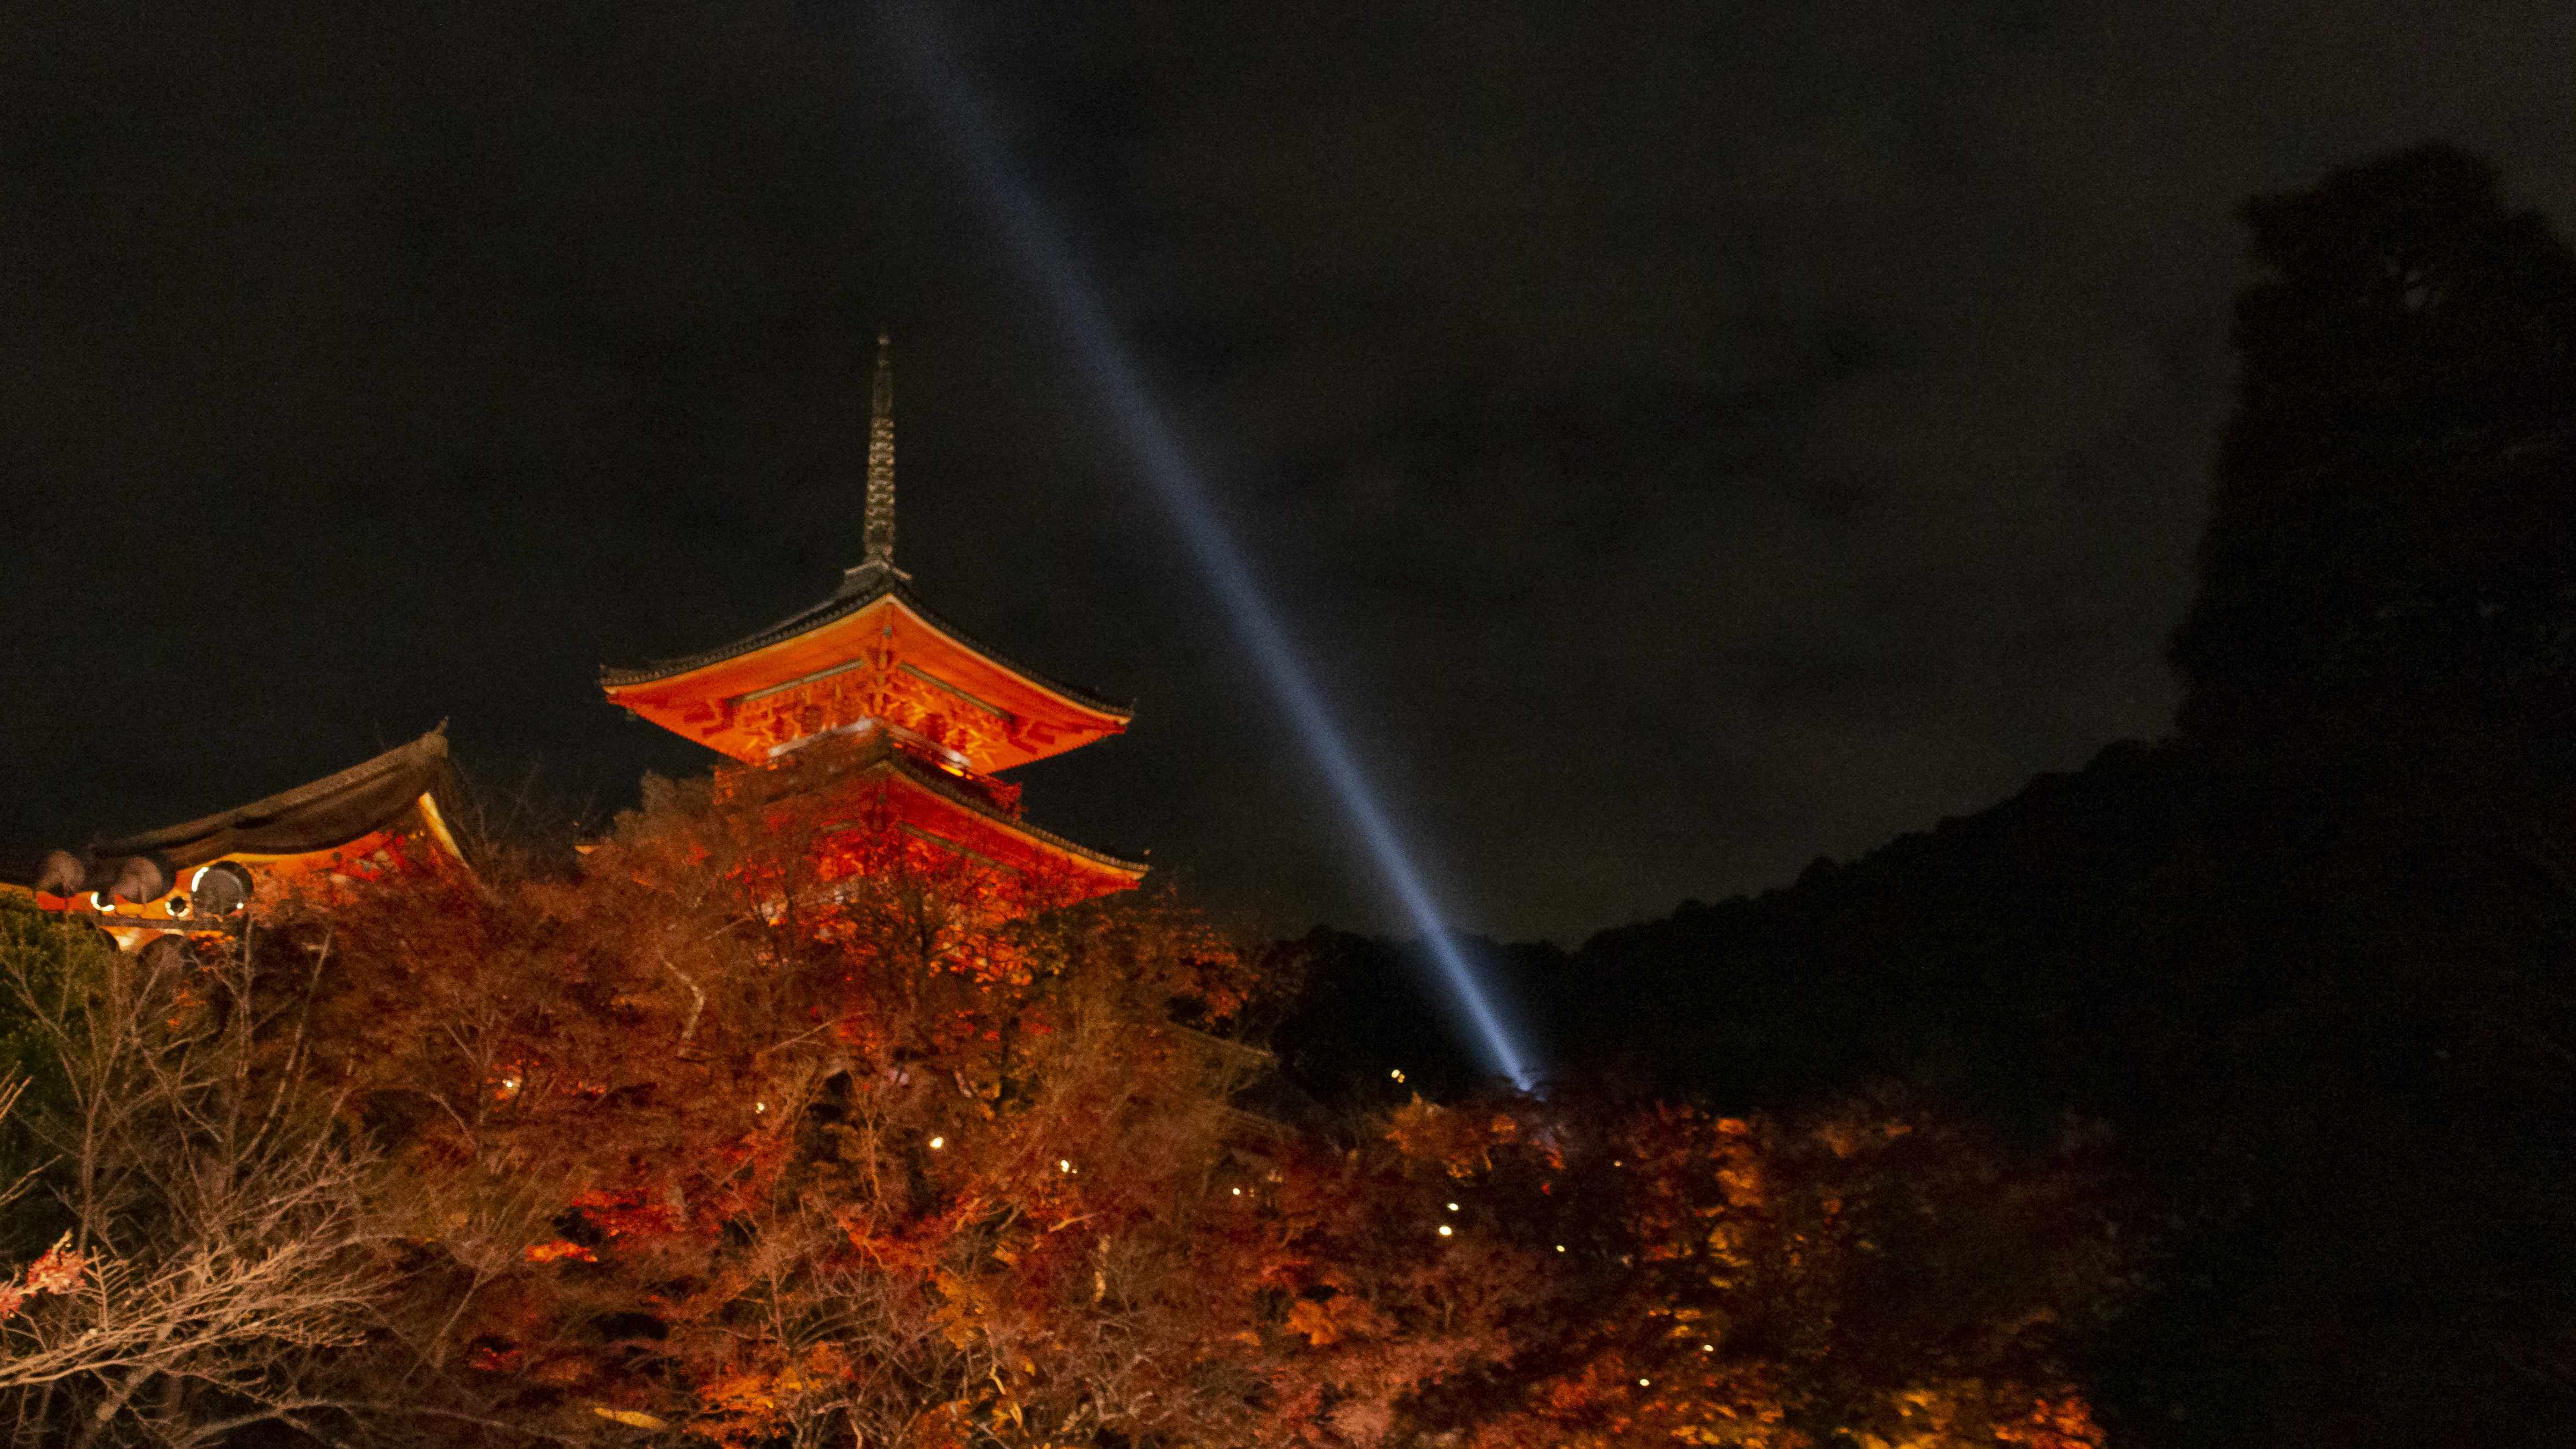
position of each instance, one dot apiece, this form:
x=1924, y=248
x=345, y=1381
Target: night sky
x=1687, y=439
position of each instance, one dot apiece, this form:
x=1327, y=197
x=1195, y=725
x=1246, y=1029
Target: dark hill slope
x=2312, y=963
x=2312, y=960
x=1889, y=965
x=2323, y=1000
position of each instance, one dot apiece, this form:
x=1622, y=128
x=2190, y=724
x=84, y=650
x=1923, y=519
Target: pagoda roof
x=324, y=814
x=850, y=600
x=939, y=784
x=698, y=695
x=878, y=754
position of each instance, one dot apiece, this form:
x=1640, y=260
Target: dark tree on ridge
x=2393, y=540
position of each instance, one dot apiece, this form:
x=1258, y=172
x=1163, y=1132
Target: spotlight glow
x=1104, y=363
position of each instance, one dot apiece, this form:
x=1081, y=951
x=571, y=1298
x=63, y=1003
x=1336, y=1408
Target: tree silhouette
x=2308, y=956
x=2392, y=545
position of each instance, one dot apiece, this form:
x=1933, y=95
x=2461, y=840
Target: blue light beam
x=1105, y=364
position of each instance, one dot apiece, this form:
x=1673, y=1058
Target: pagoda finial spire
x=877, y=523
x=880, y=515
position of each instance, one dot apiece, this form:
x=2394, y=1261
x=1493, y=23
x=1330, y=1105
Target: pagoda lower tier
x=897, y=786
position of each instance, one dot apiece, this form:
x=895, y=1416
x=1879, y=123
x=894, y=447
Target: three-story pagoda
x=903, y=718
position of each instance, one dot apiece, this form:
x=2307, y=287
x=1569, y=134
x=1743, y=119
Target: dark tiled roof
x=330, y=811
x=866, y=586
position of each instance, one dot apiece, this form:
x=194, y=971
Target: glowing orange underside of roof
x=883, y=662
x=407, y=842
x=922, y=814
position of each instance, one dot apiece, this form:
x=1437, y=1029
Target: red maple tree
x=766, y=1124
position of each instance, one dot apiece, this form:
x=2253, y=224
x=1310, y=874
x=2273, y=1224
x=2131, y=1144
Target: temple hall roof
x=328, y=812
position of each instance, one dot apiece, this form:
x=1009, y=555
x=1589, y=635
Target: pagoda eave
x=877, y=656
x=887, y=786
x=947, y=823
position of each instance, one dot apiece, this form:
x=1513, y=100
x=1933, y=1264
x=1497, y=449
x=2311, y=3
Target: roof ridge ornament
x=878, y=521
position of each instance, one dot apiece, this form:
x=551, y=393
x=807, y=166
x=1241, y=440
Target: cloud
x=1691, y=438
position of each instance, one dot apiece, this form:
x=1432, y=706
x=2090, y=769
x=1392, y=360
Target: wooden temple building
x=198, y=876
x=903, y=718
x=867, y=702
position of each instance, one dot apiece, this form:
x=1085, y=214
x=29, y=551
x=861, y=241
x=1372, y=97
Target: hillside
x=2307, y=960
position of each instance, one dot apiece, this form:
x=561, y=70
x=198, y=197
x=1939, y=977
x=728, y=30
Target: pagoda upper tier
x=869, y=657
x=870, y=653
x=889, y=710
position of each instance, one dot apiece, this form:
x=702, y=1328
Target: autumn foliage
x=764, y=1126
x=761, y=1121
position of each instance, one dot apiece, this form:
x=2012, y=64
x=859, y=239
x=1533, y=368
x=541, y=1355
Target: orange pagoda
x=894, y=710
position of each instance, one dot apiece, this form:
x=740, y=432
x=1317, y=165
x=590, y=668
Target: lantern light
x=219, y=889
x=1444, y=1230
x=938, y=1142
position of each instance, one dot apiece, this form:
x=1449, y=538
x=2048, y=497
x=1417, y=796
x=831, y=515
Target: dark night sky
x=1688, y=438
